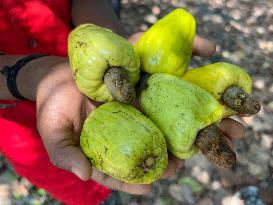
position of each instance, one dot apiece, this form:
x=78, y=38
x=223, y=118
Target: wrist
x=32, y=74
x=4, y=92
x=6, y=60
x=28, y=76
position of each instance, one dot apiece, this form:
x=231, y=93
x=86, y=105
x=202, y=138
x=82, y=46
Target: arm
x=29, y=76
x=98, y=12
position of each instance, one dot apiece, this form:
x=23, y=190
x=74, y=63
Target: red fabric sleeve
x=31, y=26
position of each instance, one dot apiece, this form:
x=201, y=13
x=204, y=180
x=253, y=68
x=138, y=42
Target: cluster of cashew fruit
x=180, y=109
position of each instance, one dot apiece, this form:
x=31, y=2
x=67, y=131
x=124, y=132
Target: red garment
x=38, y=26
x=34, y=26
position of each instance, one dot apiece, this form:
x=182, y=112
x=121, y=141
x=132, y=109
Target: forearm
x=29, y=76
x=98, y=12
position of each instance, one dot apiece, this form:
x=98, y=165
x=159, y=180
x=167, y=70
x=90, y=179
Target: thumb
x=67, y=156
x=134, y=38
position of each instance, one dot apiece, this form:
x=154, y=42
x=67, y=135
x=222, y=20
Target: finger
x=170, y=170
x=232, y=128
x=64, y=154
x=174, y=164
x=90, y=105
x=134, y=38
x=230, y=142
x=178, y=162
x=243, y=115
x=203, y=47
x=116, y=184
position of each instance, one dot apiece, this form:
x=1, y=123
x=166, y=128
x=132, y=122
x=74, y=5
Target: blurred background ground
x=243, y=32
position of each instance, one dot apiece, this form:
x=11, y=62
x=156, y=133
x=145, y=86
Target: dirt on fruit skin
x=243, y=33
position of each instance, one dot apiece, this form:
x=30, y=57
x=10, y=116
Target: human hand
x=62, y=109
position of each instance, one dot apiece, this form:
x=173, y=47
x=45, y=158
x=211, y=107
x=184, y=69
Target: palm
x=61, y=110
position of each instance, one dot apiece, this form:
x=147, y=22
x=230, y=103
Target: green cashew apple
x=181, y=110
x=227, y=83
x=105, y=65
x=124, y=144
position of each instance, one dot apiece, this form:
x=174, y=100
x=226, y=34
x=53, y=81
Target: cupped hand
x=62, y=109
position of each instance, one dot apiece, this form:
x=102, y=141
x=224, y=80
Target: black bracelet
x=12, y=71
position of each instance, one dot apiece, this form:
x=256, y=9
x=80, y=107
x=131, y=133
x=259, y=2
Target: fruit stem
x=212, y=143
x=237, y=99
x=117, y=82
